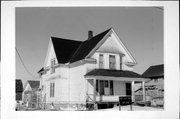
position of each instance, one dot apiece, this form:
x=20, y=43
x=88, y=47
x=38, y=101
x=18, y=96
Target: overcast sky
x=140, y=29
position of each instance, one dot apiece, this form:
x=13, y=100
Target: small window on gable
x=52, y=66
x=101, y=61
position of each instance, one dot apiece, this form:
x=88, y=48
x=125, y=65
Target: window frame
x=101, y=63
x=112, y=63
x=53, y=62
x=121, y=63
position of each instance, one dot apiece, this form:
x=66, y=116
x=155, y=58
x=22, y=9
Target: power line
x=25, y=65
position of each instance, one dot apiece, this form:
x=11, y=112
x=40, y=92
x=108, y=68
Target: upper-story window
x=52, y=66
x=101, y=61
x=121, y=63
x=112, y=62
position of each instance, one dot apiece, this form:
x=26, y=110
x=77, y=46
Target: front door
x=128, y=88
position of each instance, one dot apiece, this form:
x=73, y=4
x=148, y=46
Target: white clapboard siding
x=78, y=84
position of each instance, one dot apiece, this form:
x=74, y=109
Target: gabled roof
x=70, y=50
x=34, y=84
x=19, y=85
x=113, y=73
x=155, y=71
x=64, y=48
x=85, y=48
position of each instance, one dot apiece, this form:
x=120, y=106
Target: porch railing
x=111, y=98
x=104, y=98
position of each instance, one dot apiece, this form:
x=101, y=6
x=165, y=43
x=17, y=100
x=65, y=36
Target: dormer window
x=52, y=66
x=101, y=61
x=112, y=62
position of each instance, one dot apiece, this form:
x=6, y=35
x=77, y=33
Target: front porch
x=108, y=89
x=104, y=95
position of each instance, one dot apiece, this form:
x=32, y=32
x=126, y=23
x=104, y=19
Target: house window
x=120, y=62
x=52, y=89
x=101, y=63
x=52, y=66
x=106, y=84
x=112, y=62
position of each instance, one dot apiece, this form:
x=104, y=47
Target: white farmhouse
x=96, y=71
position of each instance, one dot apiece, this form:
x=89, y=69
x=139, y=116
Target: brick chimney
x=90, y=34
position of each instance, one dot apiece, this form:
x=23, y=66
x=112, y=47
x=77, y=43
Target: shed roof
x=155, y=71
x=34, y=84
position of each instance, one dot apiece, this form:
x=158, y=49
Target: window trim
x=53, y=62
x=112, y=62
x=121, y=62
x=101, y=61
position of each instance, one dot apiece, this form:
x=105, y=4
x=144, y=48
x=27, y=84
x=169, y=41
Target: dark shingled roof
x=155, y=71
x=34, y=84
x=86, y=47
x=42, y=69
x=113, y=73
x=71, y=51
x=19, y=86
x=64, y=48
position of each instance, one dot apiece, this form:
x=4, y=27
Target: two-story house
x=95, y=71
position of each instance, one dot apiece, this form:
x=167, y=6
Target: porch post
x=132, y=91
x=94, y=94
x=144, y=92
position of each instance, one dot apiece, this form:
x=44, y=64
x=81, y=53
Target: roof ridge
x=86, y=41
x=157, y=65
x=52, y=37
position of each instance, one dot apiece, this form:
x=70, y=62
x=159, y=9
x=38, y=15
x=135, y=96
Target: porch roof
x=113, y=73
